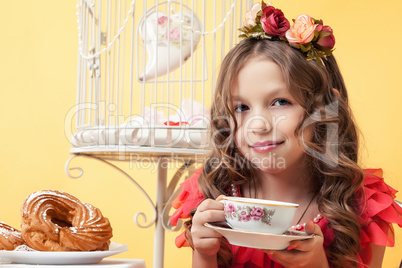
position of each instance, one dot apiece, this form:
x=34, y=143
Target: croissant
x=57, y=221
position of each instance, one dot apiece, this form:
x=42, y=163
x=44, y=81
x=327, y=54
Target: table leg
x=159, y=237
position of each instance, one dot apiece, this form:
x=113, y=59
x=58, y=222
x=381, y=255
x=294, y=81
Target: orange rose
x=302, y=31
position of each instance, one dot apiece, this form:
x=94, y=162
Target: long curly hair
x=332, y=152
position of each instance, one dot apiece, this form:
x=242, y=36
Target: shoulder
x=378, y=210
x=191, y=184
x=374, y=183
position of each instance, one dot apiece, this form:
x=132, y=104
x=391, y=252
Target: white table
x=106, y=263
x=165, y=194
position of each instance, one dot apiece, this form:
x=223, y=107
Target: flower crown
x=308, y=35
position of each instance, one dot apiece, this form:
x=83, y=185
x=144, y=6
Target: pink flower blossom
x=245, y=218
x=302, y=31
x=257, y=213
x=173, y=35
x=273, y=21
x=162, y=20
x=249, y=20
x=326, y=38
x=230, y=208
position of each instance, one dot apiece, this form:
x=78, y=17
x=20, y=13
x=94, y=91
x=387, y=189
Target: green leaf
x=324, y=33
x=305, y=47
x=255, y=35
x=243, y=30
x=317, y=21
x=295, y=45
x=323, y=50
x=257, y=28
x=316, y=34
x=248, y=210
x=263, y=5
x=319, y=61
x=316, y=55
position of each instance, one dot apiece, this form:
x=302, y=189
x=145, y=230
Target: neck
x=295, y=186
x=292, y=185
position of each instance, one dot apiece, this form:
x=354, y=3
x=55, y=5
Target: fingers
x=308, y=244
x=210, y=215
x=210, y=204
x=208, y=211
x=303, y=253
x=206, y=240
x=219, y=198
x=312, y=228
x=202, y=232
x=208, y=243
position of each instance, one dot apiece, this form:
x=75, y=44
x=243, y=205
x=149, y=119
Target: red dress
x=380, y=211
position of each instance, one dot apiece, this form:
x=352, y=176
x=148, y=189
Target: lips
x=266, y=146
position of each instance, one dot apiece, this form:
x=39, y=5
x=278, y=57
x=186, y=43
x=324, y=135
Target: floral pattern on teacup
x=248, y=213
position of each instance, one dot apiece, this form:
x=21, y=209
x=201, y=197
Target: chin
x=271, y=165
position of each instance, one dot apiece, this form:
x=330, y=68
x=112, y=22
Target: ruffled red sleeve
x=189, y=198
x=379, y=212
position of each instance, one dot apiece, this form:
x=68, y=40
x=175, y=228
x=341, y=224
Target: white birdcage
x=146, y=73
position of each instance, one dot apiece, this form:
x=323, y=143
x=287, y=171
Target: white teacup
x=258, y=215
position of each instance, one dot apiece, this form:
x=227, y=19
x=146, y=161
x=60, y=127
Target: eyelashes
x=281, y=102
x=276, y=103
x=241, y=108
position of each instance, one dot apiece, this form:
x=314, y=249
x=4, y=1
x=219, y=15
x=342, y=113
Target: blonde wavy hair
x=332, y=152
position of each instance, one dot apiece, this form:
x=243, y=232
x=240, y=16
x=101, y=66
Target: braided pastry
x=10, y=238
x=57, y=221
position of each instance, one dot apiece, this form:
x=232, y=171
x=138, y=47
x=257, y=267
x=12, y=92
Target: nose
x=259, y=124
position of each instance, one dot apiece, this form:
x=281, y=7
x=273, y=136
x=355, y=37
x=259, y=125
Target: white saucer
x=60, y=257
x=258, y=240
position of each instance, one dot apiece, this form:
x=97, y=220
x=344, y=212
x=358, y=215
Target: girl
x=282, y=130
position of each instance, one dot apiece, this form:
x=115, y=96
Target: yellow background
x=38, y=61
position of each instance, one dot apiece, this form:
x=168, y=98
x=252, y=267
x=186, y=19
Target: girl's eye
x=241, y=108
x=281, y=102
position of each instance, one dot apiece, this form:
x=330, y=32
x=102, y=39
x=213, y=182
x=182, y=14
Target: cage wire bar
x=145, y=78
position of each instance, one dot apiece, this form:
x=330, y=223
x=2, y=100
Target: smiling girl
x=282, y=130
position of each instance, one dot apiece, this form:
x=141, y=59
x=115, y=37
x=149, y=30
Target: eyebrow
x=275, y=91
x=236, y=98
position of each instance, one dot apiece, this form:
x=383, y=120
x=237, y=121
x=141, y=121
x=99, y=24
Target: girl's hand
x=206, y=241
x=304, y=253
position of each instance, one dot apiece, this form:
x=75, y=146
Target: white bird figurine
x=169, y=40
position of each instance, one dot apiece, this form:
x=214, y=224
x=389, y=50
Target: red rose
x=274, y=22
x=326, y=39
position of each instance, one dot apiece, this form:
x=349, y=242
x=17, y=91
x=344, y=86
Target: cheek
x=286, y=127
x=238, y=138
x=237, y=132
x=307, y=133
x=289, y=123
